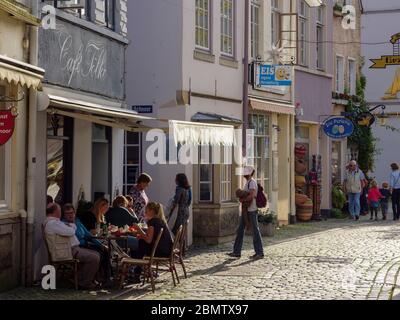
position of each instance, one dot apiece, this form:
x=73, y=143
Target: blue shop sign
x=338, y=127
x=274, y=75
x=143, y=108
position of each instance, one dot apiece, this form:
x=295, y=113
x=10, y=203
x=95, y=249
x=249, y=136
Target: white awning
x=17, y=72
x=100, y=114
x=199, y=134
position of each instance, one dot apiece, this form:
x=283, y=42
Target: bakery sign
x=7, y=124
x=389, y=60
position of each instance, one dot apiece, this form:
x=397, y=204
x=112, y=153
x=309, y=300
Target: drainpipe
x=32, y=133
x=246, y=77
x=23, y=215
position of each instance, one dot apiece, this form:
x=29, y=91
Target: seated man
x=87, y=241
x=89, y=260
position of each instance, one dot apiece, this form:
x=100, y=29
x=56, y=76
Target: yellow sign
x=389, y=60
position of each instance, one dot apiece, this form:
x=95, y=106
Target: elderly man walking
x=354, y=183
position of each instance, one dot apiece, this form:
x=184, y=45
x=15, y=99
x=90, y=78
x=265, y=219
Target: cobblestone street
x=336, y=259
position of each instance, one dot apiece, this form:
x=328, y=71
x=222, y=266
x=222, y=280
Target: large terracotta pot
x=301, y=199
x=300, y=166
x=304, y=212
x=300, y=181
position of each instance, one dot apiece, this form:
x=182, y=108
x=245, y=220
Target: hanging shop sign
x=7, y=124
x=366, y=119
x=273, y=75
x=338, y=127
x=389, y=60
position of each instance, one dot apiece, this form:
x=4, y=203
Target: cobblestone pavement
x=335, y=259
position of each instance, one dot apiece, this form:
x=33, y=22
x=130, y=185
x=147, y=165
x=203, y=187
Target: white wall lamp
x=314, y=3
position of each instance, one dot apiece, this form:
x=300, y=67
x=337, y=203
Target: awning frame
x=103, y=115
x=18, y=72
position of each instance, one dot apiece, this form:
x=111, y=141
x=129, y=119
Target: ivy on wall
x=362, y=137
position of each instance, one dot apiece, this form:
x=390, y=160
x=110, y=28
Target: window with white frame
x=320, y=38
x=226, y=174
x=132, y=156
x=303, y=34
x=260, y=157
x=79, y=8
x=352, y=76
x=255, y=29
x=203, y=22
x=339, y=74
x=275, y=21
x=227, y=27
x=205, y=174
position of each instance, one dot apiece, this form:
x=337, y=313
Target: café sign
x=338, y=127
x=273, y=75
x=7, y=124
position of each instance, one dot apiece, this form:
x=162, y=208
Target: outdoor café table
x=109, y=238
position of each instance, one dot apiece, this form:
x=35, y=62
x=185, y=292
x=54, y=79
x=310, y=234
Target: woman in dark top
x=154, y=215
x=95, y=216
x=182, y=199
x=119, y=215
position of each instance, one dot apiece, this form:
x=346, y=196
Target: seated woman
x=95, y=216
x=119, y=216
x=154, y=214
x=87, y=241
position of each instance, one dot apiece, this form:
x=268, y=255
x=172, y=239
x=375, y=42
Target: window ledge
x=6, y=214
x=203, y=56
x=229, y=62
x=221, y=205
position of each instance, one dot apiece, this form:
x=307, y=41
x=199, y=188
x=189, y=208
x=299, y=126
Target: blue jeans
x=354, y=204
x=257, y=242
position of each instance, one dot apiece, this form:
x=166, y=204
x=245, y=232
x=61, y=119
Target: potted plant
x=337, y=9
x=338, y=202
x=268, y=222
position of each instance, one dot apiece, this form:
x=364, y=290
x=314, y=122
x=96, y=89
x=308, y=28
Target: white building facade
x=187, y=65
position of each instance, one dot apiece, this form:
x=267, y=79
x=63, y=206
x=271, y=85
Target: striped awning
x=20, y=73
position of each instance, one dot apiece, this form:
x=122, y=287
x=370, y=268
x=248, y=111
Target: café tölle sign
x=389, y=60
x=7, y=124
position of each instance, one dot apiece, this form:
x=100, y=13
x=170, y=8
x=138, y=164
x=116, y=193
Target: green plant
x=362, y=137
x=338, y=214
x=338, y=198
x=267, y=218
x=337, y=7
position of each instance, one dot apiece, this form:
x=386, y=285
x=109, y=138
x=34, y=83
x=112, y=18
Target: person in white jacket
x=89, y=260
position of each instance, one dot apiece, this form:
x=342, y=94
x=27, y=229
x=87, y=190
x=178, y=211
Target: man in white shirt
x=89, y=260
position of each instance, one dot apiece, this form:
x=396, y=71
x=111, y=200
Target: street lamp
x=314, y=3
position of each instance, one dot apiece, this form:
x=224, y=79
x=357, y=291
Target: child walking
x=385, y=191
x=374, y=197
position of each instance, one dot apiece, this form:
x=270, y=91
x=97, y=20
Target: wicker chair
x=180, y=251
x=66, y=266
x=169, y=262
x=146, y=264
